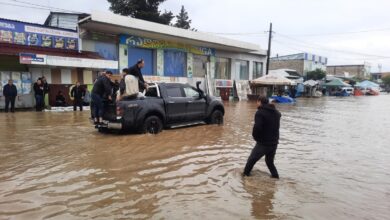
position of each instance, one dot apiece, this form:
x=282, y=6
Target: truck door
x=196, y=105
x=175, y=104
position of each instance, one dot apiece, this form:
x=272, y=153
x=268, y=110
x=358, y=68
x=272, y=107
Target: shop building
x=301, y=62
x=29, y=51
x=174, y=55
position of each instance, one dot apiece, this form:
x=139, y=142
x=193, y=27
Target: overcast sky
x=345, y=31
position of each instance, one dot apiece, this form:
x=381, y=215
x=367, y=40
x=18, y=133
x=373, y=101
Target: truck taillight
x=119, y=111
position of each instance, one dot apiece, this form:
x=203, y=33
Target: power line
x=28, y=3
x=316, y=46
x=36, y=6
x=341, y=33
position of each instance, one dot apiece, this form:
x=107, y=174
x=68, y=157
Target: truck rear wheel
x=152, y=125
x=216, y=117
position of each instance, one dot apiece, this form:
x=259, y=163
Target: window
x=175, y=63
x=134, y=54
x=200, y=65
x=191, y=92
x=222, y=68
x=174, y=92
x=257, y=70
x=242, y=69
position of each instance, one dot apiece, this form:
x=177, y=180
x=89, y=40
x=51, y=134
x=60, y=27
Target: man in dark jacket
x=10, y=92
x=46, y=89
x=39, y=95
x=101, y=90
x=266, y=134
x=77, y=93
x=136, y=71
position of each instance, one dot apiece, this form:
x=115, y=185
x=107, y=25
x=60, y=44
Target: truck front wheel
x=216, y=117
x=152, y=125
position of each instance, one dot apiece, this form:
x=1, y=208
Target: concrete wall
x=353, y=70
x=298, y=65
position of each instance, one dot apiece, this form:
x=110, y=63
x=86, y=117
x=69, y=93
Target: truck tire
x=216, y=117
x=152, y=125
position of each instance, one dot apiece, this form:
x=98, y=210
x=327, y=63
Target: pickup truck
x=164, y=105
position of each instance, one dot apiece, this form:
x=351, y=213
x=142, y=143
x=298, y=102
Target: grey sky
x=314, y=26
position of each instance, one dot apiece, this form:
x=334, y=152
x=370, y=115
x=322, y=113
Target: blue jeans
x=97, y=105
x=39, y=104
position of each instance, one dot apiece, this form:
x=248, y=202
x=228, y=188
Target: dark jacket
x=39, y=89
x=77, y=92
x=10, y=90
x=136, y=71
x=60, y=98
x=102, y=87
x=267, y=123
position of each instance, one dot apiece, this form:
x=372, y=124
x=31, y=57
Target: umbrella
x=337, y=82
x=367, y=84
x=310, y=83
x=273, y=80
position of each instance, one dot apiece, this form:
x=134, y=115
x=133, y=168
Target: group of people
x=104, y=89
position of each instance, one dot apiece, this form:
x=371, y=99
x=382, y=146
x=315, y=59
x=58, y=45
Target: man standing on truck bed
x=266, y=134
x=136, y=71
x=101, y=90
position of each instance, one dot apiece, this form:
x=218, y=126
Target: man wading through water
x=266, y=134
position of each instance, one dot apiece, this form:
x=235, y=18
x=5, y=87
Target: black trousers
x=79, y=103
x=257, y=153
x=8, y=100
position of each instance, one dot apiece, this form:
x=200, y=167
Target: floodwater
x=333, y=159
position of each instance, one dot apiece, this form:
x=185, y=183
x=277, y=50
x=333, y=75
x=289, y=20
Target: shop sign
x=135, y=41
x=30, y=58
x=223, y=83
x=33, y=35
x=81, y=62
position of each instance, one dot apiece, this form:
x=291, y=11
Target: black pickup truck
x=164, y=105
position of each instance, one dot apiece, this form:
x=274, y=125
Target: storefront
x=176, y=55
x=29, y=51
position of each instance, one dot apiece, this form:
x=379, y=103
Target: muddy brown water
x=333, y=159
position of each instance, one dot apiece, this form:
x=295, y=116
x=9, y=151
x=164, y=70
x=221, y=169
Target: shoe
x=245, y=174
x=275, y=176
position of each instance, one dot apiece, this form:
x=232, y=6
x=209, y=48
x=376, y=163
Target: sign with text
x=30, y=58
x=136, y=41
x=15, y=32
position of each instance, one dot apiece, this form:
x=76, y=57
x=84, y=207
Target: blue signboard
x=135, y=41
x=34, y=35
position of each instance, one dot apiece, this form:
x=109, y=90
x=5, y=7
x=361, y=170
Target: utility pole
x=269, y=48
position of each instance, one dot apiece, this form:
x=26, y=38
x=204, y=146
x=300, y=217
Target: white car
x=349, y=90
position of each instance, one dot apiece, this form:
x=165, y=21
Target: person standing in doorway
x=77, y=93
x=39, y=95
x=266, y=134
x=102, y=90
x=10, y=92
x=46, y=89
x=136, y=71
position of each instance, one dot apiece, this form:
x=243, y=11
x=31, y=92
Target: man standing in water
x=266, y=134
x=101, y=91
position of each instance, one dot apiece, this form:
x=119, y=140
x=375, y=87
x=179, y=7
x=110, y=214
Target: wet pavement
x=333, y=159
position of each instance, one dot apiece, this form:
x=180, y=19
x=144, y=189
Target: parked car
x=164, y=105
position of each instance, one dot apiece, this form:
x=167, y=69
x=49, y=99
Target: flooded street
x=333, y=160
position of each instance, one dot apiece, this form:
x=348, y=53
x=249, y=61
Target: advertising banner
x=135, y=41
x=34, y=35
x=30, y=58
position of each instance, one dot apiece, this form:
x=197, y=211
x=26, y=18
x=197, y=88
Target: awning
x=105, y=22
x=273, y=80
x=337, y=83
x=57, y=57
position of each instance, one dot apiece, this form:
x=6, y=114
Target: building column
x=160, y=62
x=123, y=57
